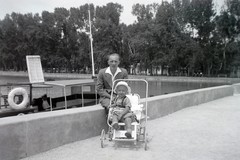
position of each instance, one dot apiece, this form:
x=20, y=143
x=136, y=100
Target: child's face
x=121, y=91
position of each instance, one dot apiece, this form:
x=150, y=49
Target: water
x=160, y=88
x=155, y=87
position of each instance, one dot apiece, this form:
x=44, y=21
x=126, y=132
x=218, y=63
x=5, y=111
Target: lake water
x=155, y=87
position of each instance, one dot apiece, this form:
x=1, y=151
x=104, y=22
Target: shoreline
x=149, y=78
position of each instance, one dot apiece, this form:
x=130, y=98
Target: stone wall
x=23, y=136
x=166, y=104
x=236, y=88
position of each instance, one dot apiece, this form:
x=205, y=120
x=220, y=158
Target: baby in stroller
x=121, y=108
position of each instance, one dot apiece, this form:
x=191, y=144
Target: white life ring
x=13, y=93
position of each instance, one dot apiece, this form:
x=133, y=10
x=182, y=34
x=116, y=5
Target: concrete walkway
x=209, y=131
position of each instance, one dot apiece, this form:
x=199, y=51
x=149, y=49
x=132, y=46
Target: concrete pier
x=28, y=135
x=201, y=132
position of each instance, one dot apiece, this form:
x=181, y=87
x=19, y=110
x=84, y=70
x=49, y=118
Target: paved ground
x=209, y=131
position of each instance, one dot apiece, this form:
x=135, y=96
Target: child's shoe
x=115, y=125
x=128, y=135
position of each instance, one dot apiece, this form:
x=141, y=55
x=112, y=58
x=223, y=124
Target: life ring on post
x=16, y=92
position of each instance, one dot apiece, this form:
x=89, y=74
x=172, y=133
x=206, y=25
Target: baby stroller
x=138, y=126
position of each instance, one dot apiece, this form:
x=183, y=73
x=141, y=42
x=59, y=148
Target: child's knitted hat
x=122, y=83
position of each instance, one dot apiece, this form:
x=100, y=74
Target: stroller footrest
x=123, y=124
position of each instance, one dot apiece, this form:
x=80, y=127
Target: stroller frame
x=138, y=128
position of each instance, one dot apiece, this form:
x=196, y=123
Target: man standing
x=106, y=77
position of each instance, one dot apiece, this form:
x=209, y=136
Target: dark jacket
x=104, y=81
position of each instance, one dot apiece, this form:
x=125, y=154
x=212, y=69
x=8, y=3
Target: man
x=106, y=77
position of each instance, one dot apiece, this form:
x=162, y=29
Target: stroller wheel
x=145, y=145
x=145, y=140
x=102, y=138
x=110, y=135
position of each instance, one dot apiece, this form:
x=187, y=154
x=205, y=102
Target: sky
x=37, y=6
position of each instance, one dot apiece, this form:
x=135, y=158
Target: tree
x=141, y=44
x=107, y=32
x=183, y=34
x=49, y=41
x=81, y=46
x=200, y=16
x=167, y=34
x=9, y=42
x=227, y=26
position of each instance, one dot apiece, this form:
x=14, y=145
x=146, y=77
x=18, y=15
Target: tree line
x=183, y=37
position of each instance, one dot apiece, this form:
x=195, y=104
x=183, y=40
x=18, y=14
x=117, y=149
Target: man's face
x=113, y=61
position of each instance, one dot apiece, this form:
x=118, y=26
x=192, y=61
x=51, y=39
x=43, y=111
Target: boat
x=83, y=91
